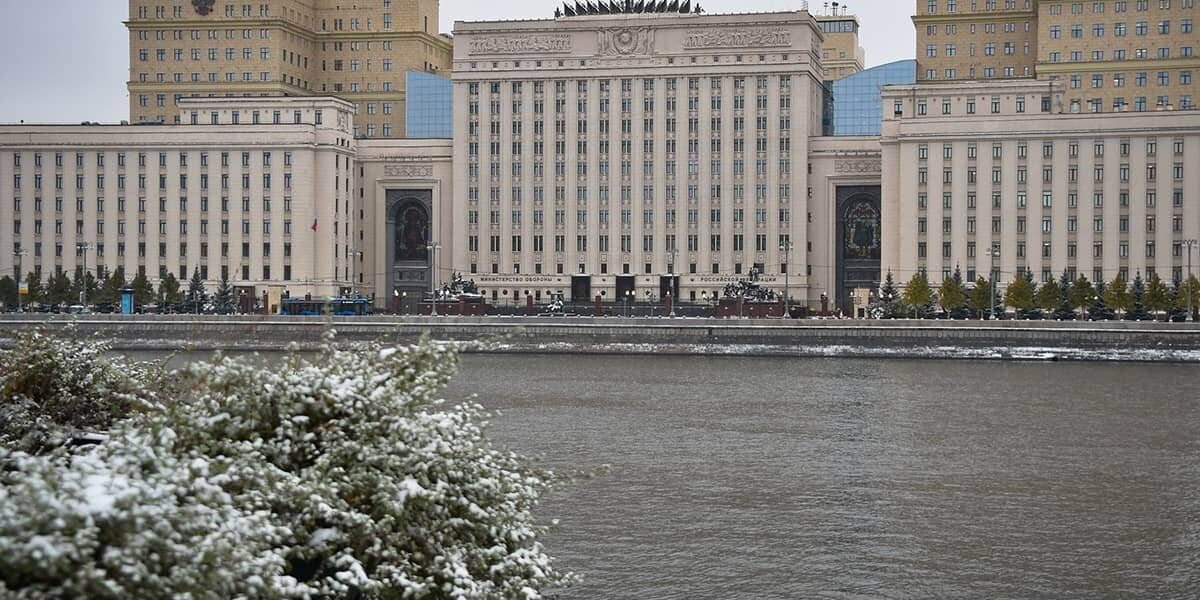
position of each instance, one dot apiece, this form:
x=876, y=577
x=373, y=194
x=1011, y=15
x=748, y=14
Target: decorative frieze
x=862, y=165
x=408, y=170
x=737, y=38
x=531, y=44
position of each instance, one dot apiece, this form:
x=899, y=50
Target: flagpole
x=315, y=243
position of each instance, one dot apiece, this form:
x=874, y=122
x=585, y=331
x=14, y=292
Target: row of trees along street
x=1023, y=298
x=104, y=292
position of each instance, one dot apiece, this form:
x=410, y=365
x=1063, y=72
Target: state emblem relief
x=203, y=7
x=626, y=41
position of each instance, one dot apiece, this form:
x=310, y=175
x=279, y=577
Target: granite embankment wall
x=901, y=338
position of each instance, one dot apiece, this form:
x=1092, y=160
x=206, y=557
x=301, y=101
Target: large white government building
x=633, y=152
x=255, y=189
x=972, y=167
x=629, y=149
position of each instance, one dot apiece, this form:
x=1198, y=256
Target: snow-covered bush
x=340, y=476
x=131, y=520
x=52, y=390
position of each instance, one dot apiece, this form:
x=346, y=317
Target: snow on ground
x=848, y=351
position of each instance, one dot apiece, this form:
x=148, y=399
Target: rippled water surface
x=811, y=478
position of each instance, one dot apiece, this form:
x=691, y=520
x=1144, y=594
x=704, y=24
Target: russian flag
x=314, y=225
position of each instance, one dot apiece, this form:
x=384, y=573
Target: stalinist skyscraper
x=357, y=51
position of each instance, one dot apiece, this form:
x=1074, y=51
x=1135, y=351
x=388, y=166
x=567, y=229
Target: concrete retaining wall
x=975, y=339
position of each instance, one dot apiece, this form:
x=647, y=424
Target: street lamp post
x=993, y=253
x=18, y=255
x=671, y=274
x=1188, y=244
x=625, y=298
x=355, y=256
x=786, y=248
x=432, y=247
x=83, y=248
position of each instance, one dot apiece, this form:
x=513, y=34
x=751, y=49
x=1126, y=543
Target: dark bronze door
x=581, y=288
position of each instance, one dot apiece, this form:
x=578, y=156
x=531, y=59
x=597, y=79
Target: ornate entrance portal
x=409, y=269
x=858, y=242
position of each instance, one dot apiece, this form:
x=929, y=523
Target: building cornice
x=616, y=70
x=218, y=87
x=1189, y=62
x=591, y=24
x=308, y=34
x=1042, y=126
x=971, y=88
x=312, y=100
x=990, y=16
x=127, y=137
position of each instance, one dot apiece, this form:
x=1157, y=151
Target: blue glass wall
x=858, y=100
x=430, y=106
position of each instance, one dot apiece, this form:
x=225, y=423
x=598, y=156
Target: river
x=834, y=478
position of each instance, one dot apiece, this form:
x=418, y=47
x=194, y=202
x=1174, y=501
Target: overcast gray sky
x=66, y=61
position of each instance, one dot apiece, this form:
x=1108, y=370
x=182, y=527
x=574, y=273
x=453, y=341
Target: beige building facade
x=405, y=203
x=1116, y=56
x=598, y=157
x=268, y=205
x=1110, y=55
x=648, y=153
x=358, y=51
x=970, y=167
x=842, y=53
x=961, y=40
x=844, y=249
x=618, y=156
